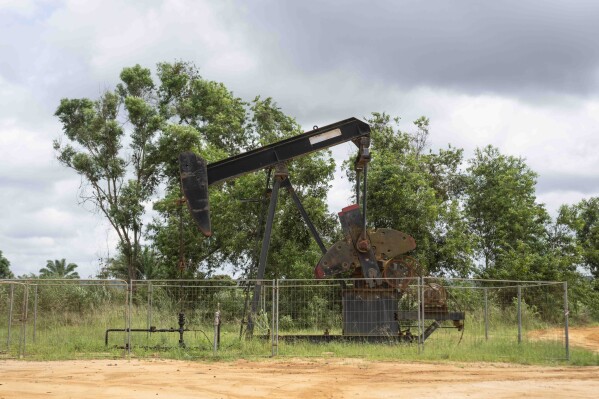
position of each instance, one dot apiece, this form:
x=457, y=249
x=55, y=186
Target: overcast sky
x=522, y=76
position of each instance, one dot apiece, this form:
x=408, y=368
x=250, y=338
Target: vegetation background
x=476, y=217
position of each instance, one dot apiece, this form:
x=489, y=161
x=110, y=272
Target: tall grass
x=74, y=336
x=71, y=322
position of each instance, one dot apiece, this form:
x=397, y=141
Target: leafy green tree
x=510, y=227
x=150, y=266
x=127, y=142
x=238, y=207
x=119, y=182
x=418, y=192
x=5, y=272
x=59, y=269
x=583, y=220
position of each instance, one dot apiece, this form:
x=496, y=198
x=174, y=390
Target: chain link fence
x=510, y=320
x=432, y=318
x=13, y=319
x=204, y=315
x=435, y=317
x=62, y=318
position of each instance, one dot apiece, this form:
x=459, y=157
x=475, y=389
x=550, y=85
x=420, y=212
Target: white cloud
x=111, y=35
x=75, y=48
x=554, y=199
x=24, y=149
x=21, y=7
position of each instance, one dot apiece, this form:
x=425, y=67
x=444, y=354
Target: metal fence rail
x=504, y=319
x=13, y=319
x=65, y=317
x=326, y=316
x=204, y=315
x=432, y=317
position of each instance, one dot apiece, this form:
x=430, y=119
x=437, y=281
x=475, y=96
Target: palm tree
x=59, y=269
x=149, y=266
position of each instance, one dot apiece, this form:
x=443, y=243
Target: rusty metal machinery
x=377, y=253
x=370, y=307
x=197, y=175
x=378, y=258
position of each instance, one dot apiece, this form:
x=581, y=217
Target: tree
x=418, y=192
x=583, y=220
x=238, y=207
x=118, y=182
x=510, y=227
x=156, y=122
x=150, y=266
x=59, y=269
x=127, y=142
x=5, y=272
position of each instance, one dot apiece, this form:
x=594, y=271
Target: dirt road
x=290, y=379
x=584, y=337
x=322, y=378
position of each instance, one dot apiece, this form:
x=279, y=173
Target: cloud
x=480, y=47
x=102, y=32
x=41, y=218
x=522, y=76
x=24, y=8
x=574, y=183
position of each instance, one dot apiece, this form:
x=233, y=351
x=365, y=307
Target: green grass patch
x=62, y=335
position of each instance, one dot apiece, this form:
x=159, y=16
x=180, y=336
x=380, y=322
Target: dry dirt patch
x=301, y=378
x=584, y=337
x=320, y=378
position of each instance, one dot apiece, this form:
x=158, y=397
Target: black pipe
x=153, y=329
x=150, y=330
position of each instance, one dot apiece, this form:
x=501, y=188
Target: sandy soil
x=585, y=337
x=291, y=379
x=299, y=378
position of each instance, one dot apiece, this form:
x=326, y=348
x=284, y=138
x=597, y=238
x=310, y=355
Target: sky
x=521, y=76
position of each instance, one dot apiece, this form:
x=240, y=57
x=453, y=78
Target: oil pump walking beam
x=197, y=175
x=288, y=149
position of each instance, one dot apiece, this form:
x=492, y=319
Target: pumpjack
x=377, y=258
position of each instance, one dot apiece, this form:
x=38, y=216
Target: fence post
x=486, y=314
x=277, y=309
x=519, y=314
x=35, y=313
x=566, y=314
x=24, y=307
x=128, y=311
x=216, y=328
x=420, y=306
x=273, y=319
x=422, y=328
x=150, y=292
x=11, y=302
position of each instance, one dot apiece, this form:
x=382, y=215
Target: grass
x=86, y=341
x=70, y=335
x=450, y=349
